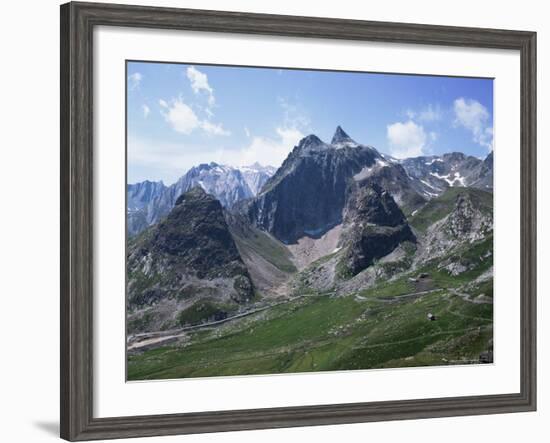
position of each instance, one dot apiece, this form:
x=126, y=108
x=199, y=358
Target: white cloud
x=180, y=117
x=430, y=113
x=473, y=116
x=406, y=139
x=153, y=159
x=146, y=110
x=293, y=115
x=269, y=150
x=274, y=149
x=134, y=80
x=199, y=82
x=213, y=128
x=183, y=119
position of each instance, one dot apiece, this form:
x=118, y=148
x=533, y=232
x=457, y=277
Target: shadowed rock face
x=374, y=205
x=375, y=227
x=192, y=242
x=196, y=233
x=308, y=193
x=373, y=242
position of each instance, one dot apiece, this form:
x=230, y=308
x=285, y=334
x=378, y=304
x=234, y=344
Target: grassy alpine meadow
x=322, y=333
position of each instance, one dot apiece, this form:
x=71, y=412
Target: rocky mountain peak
x=340, y=136
x=454, y=156
x=188, y=257
x=195, y=193
x=193, y=239
x=311, y=141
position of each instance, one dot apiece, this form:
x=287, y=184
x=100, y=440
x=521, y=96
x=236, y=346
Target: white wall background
x=29, y=170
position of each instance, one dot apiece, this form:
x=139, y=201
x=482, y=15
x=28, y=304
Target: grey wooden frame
x=77, y=23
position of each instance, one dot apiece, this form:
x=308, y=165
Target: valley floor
x=384, y=326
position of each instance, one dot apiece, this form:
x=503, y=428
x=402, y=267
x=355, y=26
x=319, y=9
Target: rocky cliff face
x=145, y=201
x=141, y=194
x=482, y=176
x=373, y=227
x=256, y=176
x=407, y=192
x=188, y=256
x=468, y=220
x=307, y=194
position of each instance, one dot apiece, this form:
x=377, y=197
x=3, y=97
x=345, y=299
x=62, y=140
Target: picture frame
x=78, y=21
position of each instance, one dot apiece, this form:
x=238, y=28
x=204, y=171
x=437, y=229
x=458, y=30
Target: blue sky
x=182, y=115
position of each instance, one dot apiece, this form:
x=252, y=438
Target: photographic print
x=290, y=220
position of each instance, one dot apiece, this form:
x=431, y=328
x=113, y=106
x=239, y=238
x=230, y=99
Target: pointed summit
x=195, y=193
x=310, y=144
x=340, y=137
x=310, y=140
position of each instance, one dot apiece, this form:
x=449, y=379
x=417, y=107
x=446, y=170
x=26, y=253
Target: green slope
x=318, y=333
x=441, y=206
x=261, y=243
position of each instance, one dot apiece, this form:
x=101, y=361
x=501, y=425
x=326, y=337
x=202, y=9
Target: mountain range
x=148, y=202
x=308, y=193
x=339, y=219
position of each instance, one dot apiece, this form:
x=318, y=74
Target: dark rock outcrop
x=394, y=179
x=374, y=205
x=192, y=244
x=375, y=226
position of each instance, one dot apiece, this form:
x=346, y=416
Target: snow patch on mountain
x=451, y=178
x=367, y=171
x=256, y=175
